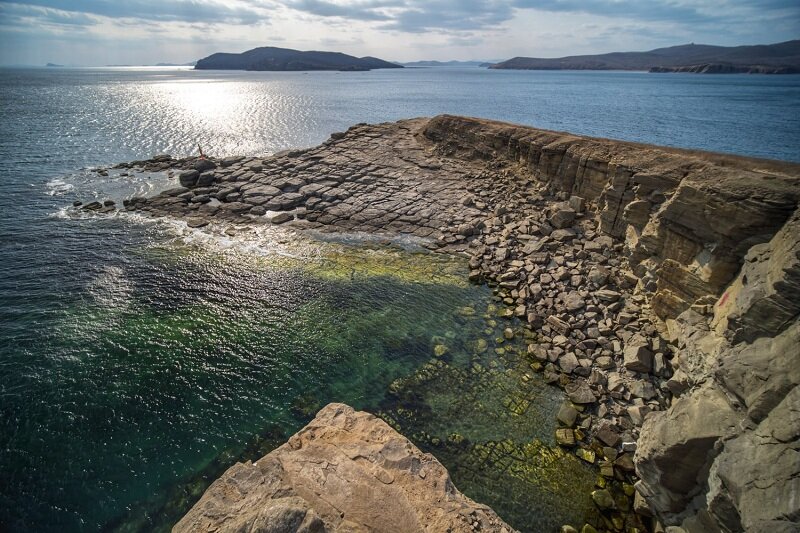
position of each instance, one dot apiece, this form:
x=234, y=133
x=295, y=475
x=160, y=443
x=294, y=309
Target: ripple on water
x=162, y=361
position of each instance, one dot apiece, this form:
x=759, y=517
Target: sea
x=140, y=358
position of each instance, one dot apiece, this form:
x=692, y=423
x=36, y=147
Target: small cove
x=185, y=355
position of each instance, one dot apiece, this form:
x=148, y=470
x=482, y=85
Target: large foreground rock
x=345, y=471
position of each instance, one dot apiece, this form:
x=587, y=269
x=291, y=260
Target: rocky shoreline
x=663, y=287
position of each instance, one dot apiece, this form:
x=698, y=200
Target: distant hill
x=444, y=64
x=54, y=65
x=781, y=58
x=271, y=58
x=189, y=64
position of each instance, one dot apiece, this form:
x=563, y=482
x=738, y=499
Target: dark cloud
x=20, y=14
x=371, y=10
x=155, y=10
x=417, y=16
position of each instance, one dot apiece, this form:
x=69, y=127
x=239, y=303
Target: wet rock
x=281, y=218
x=202, y=165
x=565, y=437
x=567, y=415
x=603, y=499
x=175, y=191
x=231, y=160
x=205, y=179
x=92, y=206
x=587, y=455
x=196, y=222
x=189, y=178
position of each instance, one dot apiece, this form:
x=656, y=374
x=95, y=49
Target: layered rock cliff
x=715, y=244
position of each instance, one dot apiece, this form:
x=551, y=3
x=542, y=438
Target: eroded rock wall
x=714, y=241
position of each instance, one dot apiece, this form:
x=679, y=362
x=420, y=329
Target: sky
x=139, y=32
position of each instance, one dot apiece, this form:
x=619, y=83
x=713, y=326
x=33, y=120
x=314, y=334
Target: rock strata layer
x=663, y=286
x=345, y=471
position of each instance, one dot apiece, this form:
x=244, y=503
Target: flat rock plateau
x=663, y=286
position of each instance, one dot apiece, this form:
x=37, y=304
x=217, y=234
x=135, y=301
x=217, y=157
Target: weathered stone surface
x=637, y=355
x=344, y=471
x=674, y=449
x=765, y=297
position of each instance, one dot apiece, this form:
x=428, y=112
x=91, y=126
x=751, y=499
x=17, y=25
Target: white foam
x=58, y=187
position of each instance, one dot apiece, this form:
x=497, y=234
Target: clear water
x=140, y=359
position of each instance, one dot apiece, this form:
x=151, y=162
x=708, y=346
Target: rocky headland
x=779, y=58
x=662, y=287
x=285, y=59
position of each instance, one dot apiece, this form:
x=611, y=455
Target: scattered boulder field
x=663, y=286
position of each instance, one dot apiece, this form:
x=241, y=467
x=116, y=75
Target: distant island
x=781, y=58
x=54, y=65
x=452, y=63
x=271, y=58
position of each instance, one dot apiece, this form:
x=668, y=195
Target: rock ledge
x=346, y=471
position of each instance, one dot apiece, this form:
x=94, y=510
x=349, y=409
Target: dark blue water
x=137, y=359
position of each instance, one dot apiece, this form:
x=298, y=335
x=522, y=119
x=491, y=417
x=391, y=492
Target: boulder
x=201, y=165
x=567, y=415
x=188, y=178
x=563, y=218
x=344, y=471
x=281, y=218
x=568, y=362
x=579, y=392
x=637, y=355
x=205, y=179
x=603, y=499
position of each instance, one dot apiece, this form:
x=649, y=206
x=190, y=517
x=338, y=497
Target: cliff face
x=345, y=471
x=715, y=244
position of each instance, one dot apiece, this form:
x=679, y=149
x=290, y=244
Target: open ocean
x=139, y=359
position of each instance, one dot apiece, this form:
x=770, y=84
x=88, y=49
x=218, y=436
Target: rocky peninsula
x=778, y=58
x=662, y=287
